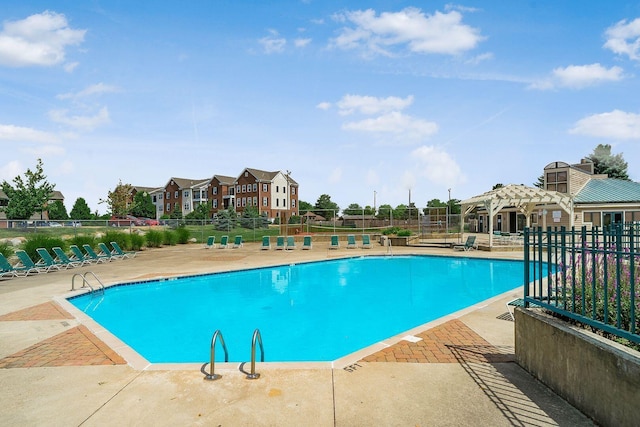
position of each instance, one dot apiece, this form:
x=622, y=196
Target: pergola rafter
x=524, y=199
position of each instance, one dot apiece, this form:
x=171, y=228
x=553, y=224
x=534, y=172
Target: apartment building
x=221, y=193
x=273, y=193
x=184, y=194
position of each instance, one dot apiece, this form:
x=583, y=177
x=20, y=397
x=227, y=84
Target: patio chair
x=224, y=242
x=78, y=255
x=48, y=261
x=124, y=254
x=8, y=270
x=266, y=243
x=335, y=242
x=351, y=241
x=63, y=258
x=211, y=242
x=468, y=245
x=306, y=242
x=237, y=242
x=28, y=265
x=279, y=243
x=291, y=243
x=366, y=241
x=105, y=251
x=94, y=256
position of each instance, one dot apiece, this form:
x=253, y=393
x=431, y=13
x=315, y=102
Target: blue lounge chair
x=63, y=258
x=335, y=243
x=468, y=245
x=266, y=243
x=291, y=243
x=124, y=254
x=48, y=260
x=106, y=252
x=279, y=243
x=211, y=242
x=237, y=242
x=8, y=270
x=351, y=241
x=78, y=255
x=94, y=256
x=28, y=265
x=224, y=242
x=366, y=241
x=306, y=242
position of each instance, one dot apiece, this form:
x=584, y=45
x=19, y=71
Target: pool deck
x=59, y=368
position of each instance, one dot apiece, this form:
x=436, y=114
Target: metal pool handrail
x=212, y=375
x=86, y=282
x=256, y=336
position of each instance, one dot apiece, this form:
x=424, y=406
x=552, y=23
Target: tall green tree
x=353, y=209
x=385, y=212
x=30, y=194
x=80, y=210
x=57, y=211
x=304, y=207
x=226, y=219
x=401, y=212
x=176, y=213
x=201, y=211
x=143, y=205
x=118, y=199
x=325, y=207
x=606, y=163
x=250, y=218
x=540, y=182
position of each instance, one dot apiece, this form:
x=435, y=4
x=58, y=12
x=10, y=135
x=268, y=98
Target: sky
x=380, y=102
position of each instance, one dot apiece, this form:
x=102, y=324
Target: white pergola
x=524, y=199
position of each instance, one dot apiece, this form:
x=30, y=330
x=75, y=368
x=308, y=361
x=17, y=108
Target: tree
x=384, y=212
x=250, y=218
x=304, y=207
x=368, y=210
x=80, y=210
x=30, y=194
x=498, y=185
x=176, y=213
x=143, y=205
x=605, y=163
x=540, y=182
x=227, y=219
x=353, y=209
x=57, y=211
x=118, y=199
x=201, y=211
x=401, y=212
x=454, y=206
x=325, y=207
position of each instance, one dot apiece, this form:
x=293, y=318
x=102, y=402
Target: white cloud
x=301, y=42
x=46, y=150
x=396, y=123
x=18, y=133
x=335, y=176
x=442, y=33
x=623, y=38
x=10, y=170
x=80, y=122
x=437, y=166
x=372, y=105
x=579, y=76
x=38, y=40
x=70, y=66
x=324, y=105
x=614, y=125
x=95, y=89
x=273, y=43
x=480, y=58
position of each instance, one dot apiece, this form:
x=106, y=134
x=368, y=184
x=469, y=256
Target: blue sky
x=354, y=98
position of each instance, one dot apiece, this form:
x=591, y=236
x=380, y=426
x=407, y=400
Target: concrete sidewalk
x=461, y=372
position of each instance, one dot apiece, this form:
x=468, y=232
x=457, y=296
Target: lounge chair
x=8, y=270
x=94, y=256
x=279, y=243
x=28, y=265
x=48, y=260
x=224, y=242
x=335, y=243
x=78, y=255
x=468, y=245
x=291, y=243
x=237, y=242
x=63, y=258
x=266, y=243
x=366, y=241
x=211, y=242
x=124, y=254
x=351, y=241
x=306, y=242
x=106, y=252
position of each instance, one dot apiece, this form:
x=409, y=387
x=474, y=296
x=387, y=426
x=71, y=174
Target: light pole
x=287, y=200
x=448, y=209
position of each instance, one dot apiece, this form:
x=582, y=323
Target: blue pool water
x=316, y=311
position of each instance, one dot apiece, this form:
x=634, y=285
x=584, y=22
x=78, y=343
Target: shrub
x=137, y=242
x=404, y=233
x=391, y=230
x=155, y=238
x=122, y=239
x=84, y=239
x=36, y=241
x=6, y=249
x=170, y=237
x=182, y=235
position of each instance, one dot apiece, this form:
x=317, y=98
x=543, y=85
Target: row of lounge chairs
x=60, y=260
x=289, y=242
x=224, y=242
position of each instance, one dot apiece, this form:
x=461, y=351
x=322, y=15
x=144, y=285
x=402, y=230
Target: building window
x=244, y=188
x=595, y=218
x=557, y=181
x=175, y=196
x=244, y=202
x=186, y=194
x=255, y=201
x=293, y=191
x=284, y=190
x=168, y=207
x=255, y=187
x=248, y=201
x=265, y=201
x=238, y=203
x=277, y=189
x=277, y=203
x=265, y=187
x=293, y=203
x=168, y=195
x=154, y=198
x=237, y=189
x=214, y=203
x=214, y=190
x=187, y=207
x=159, y=208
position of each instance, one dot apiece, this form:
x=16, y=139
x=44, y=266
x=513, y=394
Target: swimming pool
x=317, y=311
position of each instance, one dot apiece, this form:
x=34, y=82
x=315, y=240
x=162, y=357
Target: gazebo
x=524, y=199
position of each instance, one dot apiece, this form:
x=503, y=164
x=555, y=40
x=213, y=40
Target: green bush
x=137, y=242
x=36, y=241
x=391, y=230
x=6, y=249
x=84, y=239
x=170, y=237
x=155, y=238
x=122, y=239
x=182, y=235
x=404, y=233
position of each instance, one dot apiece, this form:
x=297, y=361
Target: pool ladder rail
x=85, y=281
x=253, y=375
